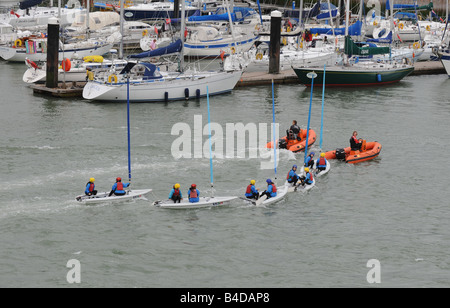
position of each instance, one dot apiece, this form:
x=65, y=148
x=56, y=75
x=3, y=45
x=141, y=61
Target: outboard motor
x=340, y=154
x=282, y=144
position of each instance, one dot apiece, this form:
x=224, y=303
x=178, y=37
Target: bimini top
x=147, y=70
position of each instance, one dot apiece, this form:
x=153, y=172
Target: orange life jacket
x=274, y=188
x=322, y=161
x=119, y=186
x=193, y=193
x=249, y=189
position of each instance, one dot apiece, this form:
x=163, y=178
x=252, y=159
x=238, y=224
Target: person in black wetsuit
x=295, y=129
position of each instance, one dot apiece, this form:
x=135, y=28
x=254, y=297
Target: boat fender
x=89, y=75
x=166, y=96
x=66, y=65
x=18, y=43
x=186, y=93
x=197, y=93
x=379, y=77
x=111, y=78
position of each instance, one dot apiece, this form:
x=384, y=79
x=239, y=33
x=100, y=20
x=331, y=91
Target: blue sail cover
x=171, y=48
x=149, y=72
x=29, y=3
x=327, y=14
x=213, y=17
x=306, y=13
x=405, y=15
x=354, y=29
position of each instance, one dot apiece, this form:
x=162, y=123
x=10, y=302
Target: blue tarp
x=354, y=29
x=172, y=48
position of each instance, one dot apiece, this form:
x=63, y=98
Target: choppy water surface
x=394, y=209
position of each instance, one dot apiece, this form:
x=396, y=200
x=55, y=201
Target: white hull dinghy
x=317, y=173
x=300, y=187
x=262, y=201
x=204, y=202
x=104, y=197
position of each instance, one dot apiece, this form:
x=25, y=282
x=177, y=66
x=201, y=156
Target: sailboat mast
x=183, y=27
x=347, y=17
x=128, y=127
x=275, y=145
x=210, y=146
x=121, y=29
x=231, y=24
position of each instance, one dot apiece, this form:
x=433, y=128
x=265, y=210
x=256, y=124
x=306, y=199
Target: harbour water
x=393, y=209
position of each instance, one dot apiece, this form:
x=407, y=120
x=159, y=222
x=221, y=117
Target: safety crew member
x=355, y=143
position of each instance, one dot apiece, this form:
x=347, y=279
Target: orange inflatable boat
x=369, y=150
x=295, y=145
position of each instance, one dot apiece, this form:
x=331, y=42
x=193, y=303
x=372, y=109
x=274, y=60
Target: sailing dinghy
x=204, y=202
x=104, y=197
x=263, y=201
x=299, y=187
x=130, y=194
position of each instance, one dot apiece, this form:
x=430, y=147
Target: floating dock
x=75, y=89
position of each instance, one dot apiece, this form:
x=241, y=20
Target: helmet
x=306, y=169
x=322, y=154
x=312, y=153
x=194, y=186
x=294, y=166
x=91, y=180
x=252, y=182
x=269, y=181
x=118, y=179
x=177, y=185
